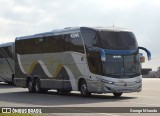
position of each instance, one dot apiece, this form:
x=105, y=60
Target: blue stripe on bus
x=120, y=52
x=104, y=52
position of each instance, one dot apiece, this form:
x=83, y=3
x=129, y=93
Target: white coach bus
x=89, y=60
x=7, y=62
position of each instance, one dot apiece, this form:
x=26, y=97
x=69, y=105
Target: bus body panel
x=61, y=67
x=54, y=69
x=7, y=69
x=102, y=84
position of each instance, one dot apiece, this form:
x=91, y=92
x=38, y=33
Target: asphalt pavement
x=11, y=96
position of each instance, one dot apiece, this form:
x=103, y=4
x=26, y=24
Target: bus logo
x=117, y=56
x=123, y=83
x=74, y=35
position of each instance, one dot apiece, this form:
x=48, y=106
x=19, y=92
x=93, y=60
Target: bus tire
x=13, y=81
x=117, y=94
x=30, y=86
x=83, y=89
x=37, y=86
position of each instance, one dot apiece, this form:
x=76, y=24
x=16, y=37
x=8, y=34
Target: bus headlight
x=138, y=81
x=108, y=82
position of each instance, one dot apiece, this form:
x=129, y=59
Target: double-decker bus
x=7, y=62
x=85, y=59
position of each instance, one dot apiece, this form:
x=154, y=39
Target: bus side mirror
x=147, y=51
x=103, y=55
x=142, y=59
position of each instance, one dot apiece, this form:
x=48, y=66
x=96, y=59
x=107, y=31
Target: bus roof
x=7, y=44
x=116, y=29
x=72, y=30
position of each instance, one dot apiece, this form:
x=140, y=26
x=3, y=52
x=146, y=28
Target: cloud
x=25, y=17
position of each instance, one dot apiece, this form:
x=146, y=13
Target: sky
x=27, y=17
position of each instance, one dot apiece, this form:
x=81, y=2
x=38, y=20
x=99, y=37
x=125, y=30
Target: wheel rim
x=37, y=87
x=84, y=89
x=13, y=81
x=30, y=85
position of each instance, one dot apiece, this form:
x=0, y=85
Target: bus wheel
x=84, y=90
x=13, y=81
x=117, y=94
x=37, y=86
x=30, y=86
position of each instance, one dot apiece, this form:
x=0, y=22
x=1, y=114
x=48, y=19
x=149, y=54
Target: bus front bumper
x=101, y=87
x=123, y=89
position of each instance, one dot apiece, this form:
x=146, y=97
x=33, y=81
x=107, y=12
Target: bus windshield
x=117, y=40
x=121, y=66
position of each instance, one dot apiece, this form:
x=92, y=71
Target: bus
x=85, y=59
x=7, y=62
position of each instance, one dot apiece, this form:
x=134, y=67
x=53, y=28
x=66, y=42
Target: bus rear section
x=53, y=60
x=7, y=62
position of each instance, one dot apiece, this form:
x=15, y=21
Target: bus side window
x=67, y=41
x=26, y=46
x=76, y=44
x=61, y=43
x=88, y=39
x=95, y=63
x=93, y=57
x=49, y=44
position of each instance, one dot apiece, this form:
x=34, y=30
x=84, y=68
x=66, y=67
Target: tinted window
x=95, y=63
x=93, y=58
x=5, y=52
x=117, y=40
x=49, y=44
x=89, y=37
x=122, y=66
x=60, y=43
x=75, y=43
